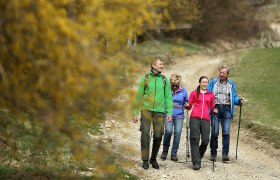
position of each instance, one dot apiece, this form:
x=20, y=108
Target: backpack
x=147, y=79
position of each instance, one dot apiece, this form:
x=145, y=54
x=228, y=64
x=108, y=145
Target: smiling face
x=157, y=66
x=203, y=83
x=223, y=73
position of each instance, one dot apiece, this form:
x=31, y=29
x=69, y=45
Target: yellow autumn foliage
x=58, y=57
x=183, y=11
x=66, y=60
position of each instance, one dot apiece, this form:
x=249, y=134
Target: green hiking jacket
x=155, y=98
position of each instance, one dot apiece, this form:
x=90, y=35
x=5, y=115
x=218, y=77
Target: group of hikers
x=162, y=103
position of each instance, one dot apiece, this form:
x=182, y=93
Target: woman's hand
x=187, y=105
x=215, y=110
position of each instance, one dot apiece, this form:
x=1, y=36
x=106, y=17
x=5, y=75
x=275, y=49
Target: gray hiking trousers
x=199, y=129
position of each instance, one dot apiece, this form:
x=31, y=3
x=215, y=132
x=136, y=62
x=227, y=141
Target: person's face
x=158, y=66
x=174, y=87
x=204, y=83
x=223, y=74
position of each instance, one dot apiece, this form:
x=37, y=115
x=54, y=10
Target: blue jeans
x=223, y=116
x=177, y=124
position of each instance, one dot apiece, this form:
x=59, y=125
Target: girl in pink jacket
x=201, y=102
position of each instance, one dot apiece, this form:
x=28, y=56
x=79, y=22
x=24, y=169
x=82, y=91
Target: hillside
x=256, y=159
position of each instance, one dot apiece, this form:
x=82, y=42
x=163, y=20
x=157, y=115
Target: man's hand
x=135, y=119
x=169, y=118
x=241, y=101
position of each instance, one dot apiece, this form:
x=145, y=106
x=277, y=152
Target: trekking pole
x=238, y=132
x=213, y=118
x=187, y=137
x=151, y=132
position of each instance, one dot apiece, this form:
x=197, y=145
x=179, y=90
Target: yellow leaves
x=30, y=19
x=111, y=168
x=67, y=58
x=64, y=62
x=184, y=11
x=124, y=18
x=179, y=50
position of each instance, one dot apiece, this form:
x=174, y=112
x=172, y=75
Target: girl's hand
x=215, y=110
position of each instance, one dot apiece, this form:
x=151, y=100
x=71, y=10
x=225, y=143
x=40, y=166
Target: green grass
x=256, y=74
x=39, y=157
x=172, y=47
x=31, y=173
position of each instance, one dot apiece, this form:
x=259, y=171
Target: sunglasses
x=175, y=86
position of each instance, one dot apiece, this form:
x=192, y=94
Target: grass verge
x=37, y=156
x=169, y=47
x=256, y=73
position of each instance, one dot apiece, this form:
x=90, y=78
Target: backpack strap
x=163, y=80
x=164, y=83
x=146, y=82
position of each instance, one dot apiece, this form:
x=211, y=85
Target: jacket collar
x=217, y=79
x=178, y=90
x=154, y=74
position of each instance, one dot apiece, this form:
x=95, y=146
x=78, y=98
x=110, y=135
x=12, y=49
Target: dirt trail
x=276, y=36
x=254, y=161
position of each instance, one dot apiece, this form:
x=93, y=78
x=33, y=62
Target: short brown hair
x=155, y=59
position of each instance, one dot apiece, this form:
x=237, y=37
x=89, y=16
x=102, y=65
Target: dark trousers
x=148, y=117
x=199, y=128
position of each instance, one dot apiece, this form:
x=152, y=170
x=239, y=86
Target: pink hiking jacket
x=201, y=106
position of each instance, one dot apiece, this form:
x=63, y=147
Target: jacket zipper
x=202, y=105
x=155, y=93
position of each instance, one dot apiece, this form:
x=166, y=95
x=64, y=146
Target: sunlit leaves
x=67, y=57
x=184, y=11
x=63, y=64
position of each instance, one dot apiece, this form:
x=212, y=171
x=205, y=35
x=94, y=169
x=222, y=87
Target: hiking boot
x=154, y=164
x=225, y=157
x=145, y=165
x=213, y=157
x=174, y=157
x=196, y=166
x=163, y=155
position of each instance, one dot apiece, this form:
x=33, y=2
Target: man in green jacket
x=154, y=100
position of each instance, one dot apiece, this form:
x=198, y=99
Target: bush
x=227, y=19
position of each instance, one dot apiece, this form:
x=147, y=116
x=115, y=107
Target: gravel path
x=256, y=159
